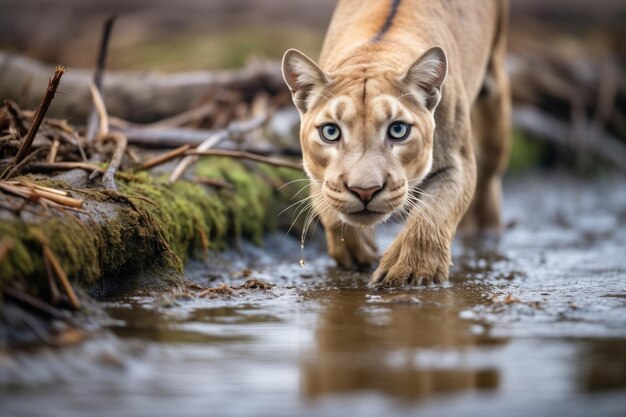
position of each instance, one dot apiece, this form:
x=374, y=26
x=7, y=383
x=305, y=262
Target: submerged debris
x=257, y=284
x=510, y=299
x=223, y=289
x=229, y=290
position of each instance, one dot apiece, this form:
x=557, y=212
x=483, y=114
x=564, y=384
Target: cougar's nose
x=365, y=194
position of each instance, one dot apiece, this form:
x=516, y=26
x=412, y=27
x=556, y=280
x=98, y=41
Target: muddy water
x=531, y=325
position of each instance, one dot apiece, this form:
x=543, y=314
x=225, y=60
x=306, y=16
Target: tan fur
x=385, y=61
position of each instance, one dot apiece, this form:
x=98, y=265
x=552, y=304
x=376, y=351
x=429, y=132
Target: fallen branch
x=177, y=137
x=234, y=129
x=163, y=138
x=141, y=97
x=248, y=155
x=163, y=158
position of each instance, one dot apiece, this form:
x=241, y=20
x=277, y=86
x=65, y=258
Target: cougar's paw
x=398, y=270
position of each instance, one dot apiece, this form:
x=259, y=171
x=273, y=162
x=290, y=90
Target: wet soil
x=533, y=323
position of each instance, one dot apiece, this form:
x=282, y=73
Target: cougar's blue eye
x=330, y=132
x=398, y=130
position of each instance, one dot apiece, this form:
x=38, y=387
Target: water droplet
x=342, y=239
x=302, y=262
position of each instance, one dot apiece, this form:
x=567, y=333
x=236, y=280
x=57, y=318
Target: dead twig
x=204, y=242
x=55, y=294
x=38, y=187
x=234, y=129
x=34, y=302
x=133, y=156
x=54, y=148
x=108, y=178
x=102, y=126
x=27, y=142
x=68, y=134
x=62, y=166
x=248, y=155
x=92, y=120
x=142, y=198
x=16, y=117
x=32, y=193
x=163, y=158
x=17, y=168
x=62, y=277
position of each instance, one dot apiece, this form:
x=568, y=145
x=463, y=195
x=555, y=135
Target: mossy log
x=142, y=234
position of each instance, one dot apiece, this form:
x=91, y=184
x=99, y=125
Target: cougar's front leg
x=421, y=252
x=351, y=247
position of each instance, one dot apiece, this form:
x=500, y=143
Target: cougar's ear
x=426, y=75
x=302, y=75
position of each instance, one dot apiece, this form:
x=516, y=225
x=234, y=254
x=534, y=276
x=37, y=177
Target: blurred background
x=567, y=57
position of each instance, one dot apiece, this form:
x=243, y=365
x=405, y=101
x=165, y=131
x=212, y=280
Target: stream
x=531, y=324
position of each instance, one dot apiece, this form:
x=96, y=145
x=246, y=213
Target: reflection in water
x=371, y=342
x=604, y=365
x=132, y=319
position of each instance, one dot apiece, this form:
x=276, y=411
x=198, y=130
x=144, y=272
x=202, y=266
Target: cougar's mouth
x=366, y=212
x=364, y=217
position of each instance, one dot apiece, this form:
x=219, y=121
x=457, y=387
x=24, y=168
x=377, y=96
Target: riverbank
x=137, y=237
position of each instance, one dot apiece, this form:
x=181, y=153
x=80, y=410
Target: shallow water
x=532, y=324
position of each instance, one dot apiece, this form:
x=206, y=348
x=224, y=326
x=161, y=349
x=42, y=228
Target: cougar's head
x=366, y=131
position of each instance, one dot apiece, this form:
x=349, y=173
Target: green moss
x=247, y=202
x=149, y=225
x=71, y=242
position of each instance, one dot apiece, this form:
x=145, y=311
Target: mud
x=531, y=324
